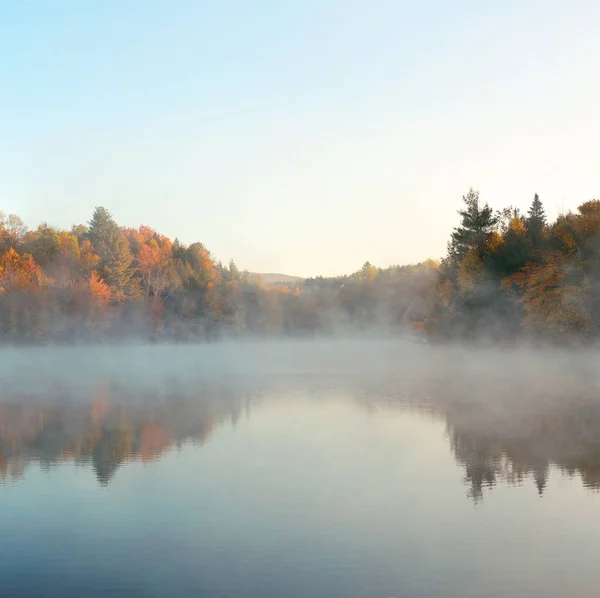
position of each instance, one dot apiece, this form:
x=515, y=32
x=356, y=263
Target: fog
x=482, y=373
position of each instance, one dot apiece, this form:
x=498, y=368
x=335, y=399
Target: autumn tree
x=12, y=231
x=156, y=268
x=43, y=244
x=582, y=234
x=554, y=298
x=88, y=301
x=510, y=252
x=22, y=311
x=368, y=272
x=89, y=260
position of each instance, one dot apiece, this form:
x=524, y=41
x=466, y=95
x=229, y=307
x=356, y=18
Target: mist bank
x=452, y=371
x=508, y=278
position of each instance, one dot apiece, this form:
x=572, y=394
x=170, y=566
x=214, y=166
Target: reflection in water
x=109, y=430
x=510, y=437
x=519, y=444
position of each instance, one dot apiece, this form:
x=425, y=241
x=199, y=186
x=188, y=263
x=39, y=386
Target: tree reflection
x=504, y=435
x=507, y=420
x=107, y=431
x=515, y=444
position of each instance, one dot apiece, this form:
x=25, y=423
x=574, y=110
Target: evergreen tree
x=117, y=264
x=536, y=220
x=101, y=231
x=114, y=251
x=234, y=271
x=477, y=223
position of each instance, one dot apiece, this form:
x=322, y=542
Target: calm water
x=316, y=469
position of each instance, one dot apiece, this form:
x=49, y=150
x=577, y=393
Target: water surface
x=262, y=470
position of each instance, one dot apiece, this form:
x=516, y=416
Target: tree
x=536, y=220
x=477, y=223
x=513, y=250
x=80, y=231
x=583, y=232
x=368, y=272
x=89, y=294
x=112, y=247
x=234, y=271
x=116, y=265
x=44, y=244
x=554, y=296
x=470, y=271
x=155, y=265
x=88, y=259
x=18, y=271
x=12, y=231
x=101, y=230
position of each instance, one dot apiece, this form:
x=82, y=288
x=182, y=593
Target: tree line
x=506, y=276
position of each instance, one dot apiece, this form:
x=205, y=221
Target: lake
x=325, y=468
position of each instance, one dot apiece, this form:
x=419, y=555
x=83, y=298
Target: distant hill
x=276, y=278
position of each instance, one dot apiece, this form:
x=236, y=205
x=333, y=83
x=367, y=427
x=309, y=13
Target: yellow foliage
x=495, y=242
x=445, y=291
x=469, y=272
x=368, y=272
x=89, y=259
x=434, y=264
x=517, y=225
x=549, y=300
x=69, y=245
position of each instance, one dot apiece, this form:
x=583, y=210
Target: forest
x=507, y=277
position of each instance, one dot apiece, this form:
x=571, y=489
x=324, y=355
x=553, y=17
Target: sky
x=297, y=137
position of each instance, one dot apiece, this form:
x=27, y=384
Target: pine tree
x=477, y=223
x=536, y=220
x=114, y=251
x=101, y=231
x=234, y=271
x=116, y=264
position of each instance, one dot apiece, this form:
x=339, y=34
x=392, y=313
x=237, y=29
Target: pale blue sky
x=299, y=137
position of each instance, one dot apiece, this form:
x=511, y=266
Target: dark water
x=338, y=470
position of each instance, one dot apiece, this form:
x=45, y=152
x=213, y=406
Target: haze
x=281, y=133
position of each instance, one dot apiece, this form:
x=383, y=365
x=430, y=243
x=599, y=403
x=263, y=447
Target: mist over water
x=335, y=467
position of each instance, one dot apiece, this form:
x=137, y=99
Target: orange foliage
x=99, y=290
x=154, y=260
x=89, y=259
x=89, y=293
x=552, y=299
x=18, y=271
